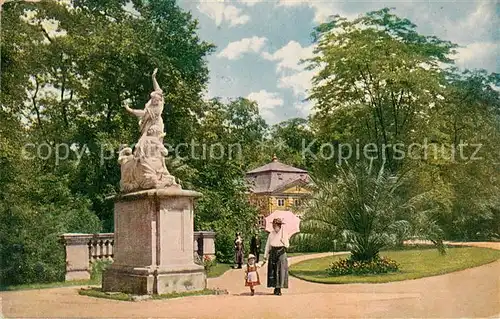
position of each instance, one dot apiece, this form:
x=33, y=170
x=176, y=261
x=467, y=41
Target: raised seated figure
x=144, y=167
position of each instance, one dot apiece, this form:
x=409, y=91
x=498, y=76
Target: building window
x=281, y=202
x=297, y=202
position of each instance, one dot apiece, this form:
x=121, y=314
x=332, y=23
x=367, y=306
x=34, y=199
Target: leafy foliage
x=237, y=127
x=377, y=70
x=68, y=67
x=311, y=242
x=380, y=82
x=362, y=207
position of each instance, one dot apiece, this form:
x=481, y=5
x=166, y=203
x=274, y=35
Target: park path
x=471, y=293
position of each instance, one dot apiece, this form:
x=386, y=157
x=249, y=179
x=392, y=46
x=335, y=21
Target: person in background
x=238, y=251
x=255, y=246
x=277, y=268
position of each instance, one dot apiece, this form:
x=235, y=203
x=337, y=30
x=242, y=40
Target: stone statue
x=144, y=167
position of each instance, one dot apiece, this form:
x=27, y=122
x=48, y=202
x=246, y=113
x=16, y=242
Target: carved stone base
x=147, y=281
x=153, y=248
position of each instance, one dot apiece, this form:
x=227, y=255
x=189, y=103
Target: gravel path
x=471, y=293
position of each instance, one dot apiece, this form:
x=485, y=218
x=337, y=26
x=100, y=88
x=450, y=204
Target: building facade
x=277, y=186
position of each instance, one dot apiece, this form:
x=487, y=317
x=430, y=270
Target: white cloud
x=478, y=55
x=251, y=3
x=235, y=50
x=322, y=9
x=476, y=25
x=481, y=20
x=476, y=31
x=298, y=82
x=292, y=74
x=267, y=102
x=289, y=56
x=220, y=12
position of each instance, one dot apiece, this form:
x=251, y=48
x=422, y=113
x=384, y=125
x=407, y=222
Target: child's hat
x=251, y=256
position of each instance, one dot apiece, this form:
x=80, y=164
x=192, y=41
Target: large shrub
x=364, y=208
x=313, y=243
x=30, y=225
x=97, y=268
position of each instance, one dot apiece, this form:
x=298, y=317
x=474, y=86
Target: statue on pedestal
x=153, y=217
x=144, y=167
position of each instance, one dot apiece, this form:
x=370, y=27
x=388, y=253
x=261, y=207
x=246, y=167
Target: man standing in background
x=255, y=246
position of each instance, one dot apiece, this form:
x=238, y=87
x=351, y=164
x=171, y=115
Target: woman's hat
x=277, y=221
x=251, y=256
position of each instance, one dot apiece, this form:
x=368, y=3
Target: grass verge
x=299, y=254
x=51, y=285
x=413, y=264
x=218, y=270
x=98, y=293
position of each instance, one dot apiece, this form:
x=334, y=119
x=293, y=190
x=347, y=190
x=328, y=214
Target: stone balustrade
x=84, y=249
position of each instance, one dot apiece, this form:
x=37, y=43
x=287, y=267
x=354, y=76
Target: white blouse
x=276, y=239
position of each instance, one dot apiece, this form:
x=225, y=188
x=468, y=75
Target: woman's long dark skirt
x=238, y=255
x=277, y=268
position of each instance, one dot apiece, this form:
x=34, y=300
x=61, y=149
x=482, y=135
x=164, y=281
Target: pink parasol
x=291, y=223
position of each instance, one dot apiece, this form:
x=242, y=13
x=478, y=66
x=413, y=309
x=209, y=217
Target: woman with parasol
x=277, y=268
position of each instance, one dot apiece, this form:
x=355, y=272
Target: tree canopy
x=69, y=67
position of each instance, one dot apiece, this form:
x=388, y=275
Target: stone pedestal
x=153, y=249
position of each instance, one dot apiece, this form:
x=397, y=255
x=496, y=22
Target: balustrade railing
x=84, y=249
x=100, y=247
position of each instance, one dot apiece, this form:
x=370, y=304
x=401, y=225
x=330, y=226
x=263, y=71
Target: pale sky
x=260, y=42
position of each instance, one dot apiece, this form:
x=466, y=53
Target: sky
x=260, y=42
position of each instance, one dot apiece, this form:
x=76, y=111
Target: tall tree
x=291, y=138
x=67, y=69
x=377, y=78
x=229, y=136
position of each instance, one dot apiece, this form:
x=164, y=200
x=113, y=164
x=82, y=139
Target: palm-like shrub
x=365, y=209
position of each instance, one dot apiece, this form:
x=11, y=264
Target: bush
x=97, y=268
x=207, y=262
x=37, y=256
x=224, y=244
x=313, y=243
x=377, y=265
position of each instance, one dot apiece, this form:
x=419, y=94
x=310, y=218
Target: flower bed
x=378, y=265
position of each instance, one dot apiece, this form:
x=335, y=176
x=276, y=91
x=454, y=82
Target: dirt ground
x=471, y=293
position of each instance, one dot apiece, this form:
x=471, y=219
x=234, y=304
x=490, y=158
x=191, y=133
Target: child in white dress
x=251, y=273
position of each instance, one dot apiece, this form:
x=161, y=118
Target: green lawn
x=52, y=285
x=413, y=264
x=97, y=293
x=218, y=270
x=299, y=254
